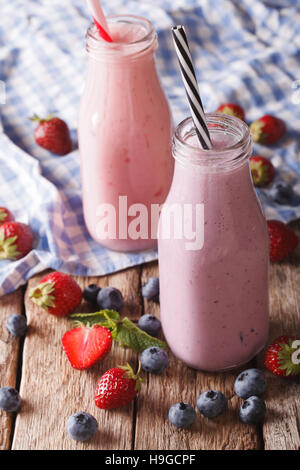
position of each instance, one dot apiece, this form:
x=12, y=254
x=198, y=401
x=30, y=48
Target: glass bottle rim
x=97, y=45
x=217, y=159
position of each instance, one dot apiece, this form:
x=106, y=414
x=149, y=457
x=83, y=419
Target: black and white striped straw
x=191, y=85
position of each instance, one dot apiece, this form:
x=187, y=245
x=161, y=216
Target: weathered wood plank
x=52, y=390
x=9, y=350
x=281, y=430
x=180, y=383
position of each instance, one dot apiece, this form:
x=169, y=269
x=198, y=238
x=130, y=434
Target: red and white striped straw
x=191, y=86
x=99, y=19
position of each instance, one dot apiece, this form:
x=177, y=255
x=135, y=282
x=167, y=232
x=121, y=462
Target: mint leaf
x=123, y=331
x=98, y=318
x=128, y=334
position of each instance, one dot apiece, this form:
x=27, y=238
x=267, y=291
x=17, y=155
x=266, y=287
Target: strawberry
x=57, y=293
x=52, y=134
x=233, y=110
x=85, y=345
x=283, y=241
x=267, y=130
x=282, y=357
x=117, y=387
x=5, y=215
x=16, y=240
x=262, y=171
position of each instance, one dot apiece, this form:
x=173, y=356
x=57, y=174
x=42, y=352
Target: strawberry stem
x=111, y=325
x=36, y=118
x=139, y=369
x=131, y=375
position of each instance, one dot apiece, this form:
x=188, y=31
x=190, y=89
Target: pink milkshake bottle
x=214, y=284
x=125, y=130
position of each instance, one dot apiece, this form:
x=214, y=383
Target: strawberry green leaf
x=285, y=359
x=3, y=215
x=43, y=295
x=256, y=129
x=106, y=318
x=131, y=375
x=128, y=334
x=36, y=118
x=8, y=247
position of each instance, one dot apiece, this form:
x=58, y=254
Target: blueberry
x=182, y=415
x=82, y=426
x=110, y=298
x=10, y=399
x=253, y=410
x=17, y=325
x=154, y=359
x=212, y=403
x=151, y=289
x=91, y=292
x=150, y=324
x=250, y=382
x=282, y=192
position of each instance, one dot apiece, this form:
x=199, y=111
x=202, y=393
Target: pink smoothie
x=214, y=301
x=125, y=130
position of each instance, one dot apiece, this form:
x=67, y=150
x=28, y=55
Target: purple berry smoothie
x=214, y=301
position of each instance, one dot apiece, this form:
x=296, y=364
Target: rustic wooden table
x=52, y=390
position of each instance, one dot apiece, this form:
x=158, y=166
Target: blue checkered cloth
x=245, y=51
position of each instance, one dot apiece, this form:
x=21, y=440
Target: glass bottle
x=125, y=130
x=213, y=260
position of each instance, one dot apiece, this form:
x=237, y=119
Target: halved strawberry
x=282, y=356
x=85, y=346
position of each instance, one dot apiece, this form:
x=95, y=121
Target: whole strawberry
x=117, y=387
x=57, y=293
x=52, y=134
x=5, y=215
x=16, y=240
x=267, y=130
x=283, y=241
x=262, y=171
x=282, y=356
x=86, y=345
x=233, y=110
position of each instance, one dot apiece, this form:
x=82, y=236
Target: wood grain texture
x=281, y=430
x=180, y=383
x=9, y=350
x=52, y=390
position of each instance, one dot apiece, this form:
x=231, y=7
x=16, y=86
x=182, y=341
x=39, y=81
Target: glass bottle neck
x=134, y=38
x=232, y=144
